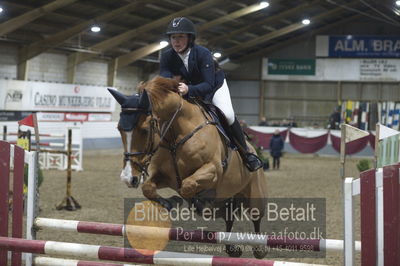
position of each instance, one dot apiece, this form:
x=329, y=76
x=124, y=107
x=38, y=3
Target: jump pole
x=198, y=236
x=49, y=261
x=155, y=257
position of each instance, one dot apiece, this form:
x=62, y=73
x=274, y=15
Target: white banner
x=43, y=96
x=370, y=69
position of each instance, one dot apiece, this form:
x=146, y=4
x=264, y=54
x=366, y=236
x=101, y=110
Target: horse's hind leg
x=257, y=196
x=259, y=251
x=231, y=250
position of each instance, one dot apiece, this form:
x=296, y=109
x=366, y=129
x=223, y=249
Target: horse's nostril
x=135, y=181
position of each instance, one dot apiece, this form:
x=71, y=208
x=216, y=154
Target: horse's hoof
x=260, y=252
x=233, y=251
x=176, y=199
x=198, y=205
x=165, y=203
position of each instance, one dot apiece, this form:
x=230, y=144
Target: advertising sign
x=359, y=46
x=291, y=66
x=43, y=96
x=345, y=69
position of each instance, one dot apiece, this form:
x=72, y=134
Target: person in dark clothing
x=202, y=79
x=275, y=147
x=334, y=119
x=263, y=122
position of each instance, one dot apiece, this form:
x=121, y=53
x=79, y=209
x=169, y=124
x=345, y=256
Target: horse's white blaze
x=126, y=174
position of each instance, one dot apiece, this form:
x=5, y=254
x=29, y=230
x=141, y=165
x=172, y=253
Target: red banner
x=307, y=145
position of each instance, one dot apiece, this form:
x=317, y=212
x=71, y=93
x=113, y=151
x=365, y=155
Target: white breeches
x=222, y=99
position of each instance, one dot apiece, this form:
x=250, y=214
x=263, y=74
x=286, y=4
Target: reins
x=164, y=129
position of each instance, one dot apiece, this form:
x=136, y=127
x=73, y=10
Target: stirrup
x=253, y=162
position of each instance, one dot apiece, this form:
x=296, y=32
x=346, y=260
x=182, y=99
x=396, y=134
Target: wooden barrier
x=155, y=257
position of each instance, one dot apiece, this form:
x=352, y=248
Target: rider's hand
x=183, y=88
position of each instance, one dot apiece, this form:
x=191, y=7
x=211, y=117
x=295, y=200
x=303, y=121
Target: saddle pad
x=218, y=118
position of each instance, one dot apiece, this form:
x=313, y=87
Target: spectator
x=284, y=123
x=334, y=119
x=292, y=123
x=276, y=146
x=263, y=122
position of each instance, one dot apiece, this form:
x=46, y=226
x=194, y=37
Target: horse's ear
x=144, y=101
x=121, y=98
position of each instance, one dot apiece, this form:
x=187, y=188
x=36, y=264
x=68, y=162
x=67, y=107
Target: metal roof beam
x=296, y=39
x=269, y=19
x=116, y=40
x=124, y=60
x=282, y=31
x=231, y=16
x=17, y=22
x=39, y=47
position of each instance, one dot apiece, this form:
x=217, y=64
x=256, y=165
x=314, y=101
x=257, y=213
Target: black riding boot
x=251, y=160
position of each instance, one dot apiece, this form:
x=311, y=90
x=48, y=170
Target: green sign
x=291, y=67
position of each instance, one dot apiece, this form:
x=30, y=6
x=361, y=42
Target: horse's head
x=137, y=128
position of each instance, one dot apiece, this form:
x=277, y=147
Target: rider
x=195, y=65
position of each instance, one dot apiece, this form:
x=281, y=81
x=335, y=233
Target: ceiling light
x=1, y=9
x=163, y=44
x=397, y=3
x=217, y=54
x=306, y=21
x=264, y=4
x=95, y=28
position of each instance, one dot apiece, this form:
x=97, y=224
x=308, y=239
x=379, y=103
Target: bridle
x=150, y=147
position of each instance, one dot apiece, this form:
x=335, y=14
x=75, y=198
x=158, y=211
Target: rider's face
x=179, y=42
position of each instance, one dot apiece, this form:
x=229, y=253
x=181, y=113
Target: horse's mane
x=141, y=86
x=160, y=87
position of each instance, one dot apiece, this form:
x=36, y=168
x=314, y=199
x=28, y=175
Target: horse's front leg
x=149, y=189
x=204, y=178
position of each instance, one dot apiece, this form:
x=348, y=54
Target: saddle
x=218, y=118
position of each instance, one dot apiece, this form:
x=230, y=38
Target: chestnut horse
x=175, y=144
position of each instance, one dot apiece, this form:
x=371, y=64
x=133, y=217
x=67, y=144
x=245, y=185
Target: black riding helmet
x=182, y=25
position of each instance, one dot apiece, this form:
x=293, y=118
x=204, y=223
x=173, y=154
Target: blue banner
x=364, y=46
